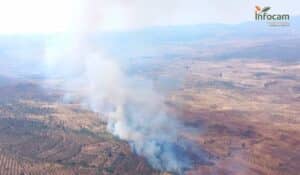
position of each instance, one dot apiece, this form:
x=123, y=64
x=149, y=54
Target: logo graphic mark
x=262, y=14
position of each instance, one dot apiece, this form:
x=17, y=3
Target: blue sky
x=48, y=16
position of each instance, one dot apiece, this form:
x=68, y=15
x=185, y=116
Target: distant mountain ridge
x=24, y=53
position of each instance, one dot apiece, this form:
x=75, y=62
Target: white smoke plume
x=133, y=110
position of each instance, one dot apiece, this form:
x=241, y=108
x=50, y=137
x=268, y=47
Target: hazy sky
x=44, y=16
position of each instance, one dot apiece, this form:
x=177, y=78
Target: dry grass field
x=39, y=135
x=245, y=114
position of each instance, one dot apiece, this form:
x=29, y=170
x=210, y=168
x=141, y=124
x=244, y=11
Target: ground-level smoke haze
x=133, y=110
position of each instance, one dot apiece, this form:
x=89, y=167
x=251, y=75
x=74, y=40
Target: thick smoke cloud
x=133, y=110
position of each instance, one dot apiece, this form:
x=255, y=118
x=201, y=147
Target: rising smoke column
x=133, y=110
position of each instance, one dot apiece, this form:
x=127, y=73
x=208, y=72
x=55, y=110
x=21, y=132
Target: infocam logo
x=262, y=14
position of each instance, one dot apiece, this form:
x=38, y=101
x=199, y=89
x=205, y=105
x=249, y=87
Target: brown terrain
x=40, y=135
x=245, y=114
